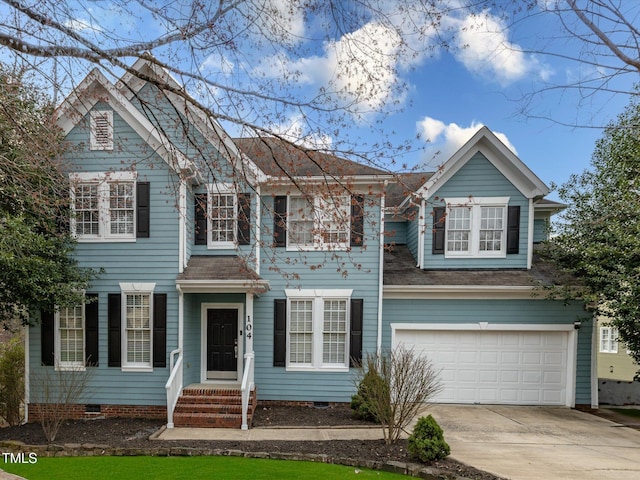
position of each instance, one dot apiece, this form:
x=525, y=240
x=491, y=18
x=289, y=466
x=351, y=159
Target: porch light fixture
x=577, y=324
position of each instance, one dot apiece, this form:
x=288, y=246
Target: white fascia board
x=471, y=292
x=223, y=286
x=324, y=179
x=498, y=154
x=84, y=98
x=486, y=326
x=210, y=129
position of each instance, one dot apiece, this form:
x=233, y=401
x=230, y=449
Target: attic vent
x=102, y=130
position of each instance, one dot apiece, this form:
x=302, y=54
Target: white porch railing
x=246, y=387
x=174, y=384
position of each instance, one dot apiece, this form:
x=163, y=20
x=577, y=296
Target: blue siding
x=412, y=232
x=540, y=230
x=498, y=312
x=153, y=259
x=395, y=232
x=310, y=270
x=479, y=178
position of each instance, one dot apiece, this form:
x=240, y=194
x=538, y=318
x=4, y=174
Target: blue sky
x=443, y=96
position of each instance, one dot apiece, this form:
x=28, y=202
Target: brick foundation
x=297, y=403
x=80, y=411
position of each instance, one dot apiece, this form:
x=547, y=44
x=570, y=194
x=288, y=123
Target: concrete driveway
x=527, y=443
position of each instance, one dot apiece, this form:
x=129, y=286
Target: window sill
x=336, y=369
x=137, y=369
x=222, y=246
x=318, y=248
x=106, y=240
x=71, y=368
x=474, y=255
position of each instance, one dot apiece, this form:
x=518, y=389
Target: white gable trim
x=501, y=157
x=129, y=85
x=91, y=91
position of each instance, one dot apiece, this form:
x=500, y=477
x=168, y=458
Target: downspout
x=182, y=212
x=258, y=227
x=26, y=374
x=380, y=271
x=595, y=403
x=530, y=235
x=422, y=225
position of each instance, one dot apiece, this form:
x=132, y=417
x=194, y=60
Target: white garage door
x=492, y=367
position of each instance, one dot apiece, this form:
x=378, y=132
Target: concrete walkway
x=258, y=434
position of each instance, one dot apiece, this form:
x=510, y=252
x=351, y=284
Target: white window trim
x=135, y=288
x=318, y=228
x=222, y=189
x=475, y=204
x=318, y=296
x=103, y=180
x=93, y=141
x=59, y=365
x=612, y=340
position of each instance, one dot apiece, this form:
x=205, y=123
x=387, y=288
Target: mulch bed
x=134, y=434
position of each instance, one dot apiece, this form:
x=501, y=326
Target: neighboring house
x=221, y=278
x=614, y=362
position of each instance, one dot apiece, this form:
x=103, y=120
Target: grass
x=187, y=468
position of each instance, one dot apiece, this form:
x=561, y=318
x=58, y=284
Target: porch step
x=212, y=408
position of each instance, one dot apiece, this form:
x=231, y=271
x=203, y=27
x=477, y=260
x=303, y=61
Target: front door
x=222, y=344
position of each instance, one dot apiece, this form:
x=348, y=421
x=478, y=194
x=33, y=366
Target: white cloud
x=80, y=25
x=218, y=63
x=295, y=130
x=484, y=48
x=444, y=140
x=281, y=21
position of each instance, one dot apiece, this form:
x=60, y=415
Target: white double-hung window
x=319, y=223
x=222, y=216
x=103, y=206
x=137, y=327
x=318, y=327
x=476, y=227
x=69, y=328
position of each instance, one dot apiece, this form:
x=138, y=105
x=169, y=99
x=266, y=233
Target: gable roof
x=97, y=88
x=500, y=156
x=129, y=85
x=404, y=186
x=279, y=159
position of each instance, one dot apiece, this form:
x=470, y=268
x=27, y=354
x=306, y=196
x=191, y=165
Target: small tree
x=407, y=382
x=60, y=389
x=11, y=380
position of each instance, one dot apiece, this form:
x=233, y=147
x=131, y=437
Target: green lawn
x=187, y=468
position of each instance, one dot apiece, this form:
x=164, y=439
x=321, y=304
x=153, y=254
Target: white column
x=248, y=324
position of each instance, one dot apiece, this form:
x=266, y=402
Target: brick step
x=212, y=392
x=222, y=400
x=207, y=420
x=209, y=408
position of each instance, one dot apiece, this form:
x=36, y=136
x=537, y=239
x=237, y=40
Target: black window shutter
x=280, y=221
x=91, y=329
x=47, y=326
x=160, y=330
x=200, y=236
x=115, y=324
x=355, y=336
x=142, y=210
x=357, y=220
x=437, y=245
x=244, y=219
x=513, y=229
x=279, y=332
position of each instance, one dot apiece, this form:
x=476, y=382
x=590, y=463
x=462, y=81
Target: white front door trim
x=203, y=340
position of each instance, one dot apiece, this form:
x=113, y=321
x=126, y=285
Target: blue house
x=238, y=270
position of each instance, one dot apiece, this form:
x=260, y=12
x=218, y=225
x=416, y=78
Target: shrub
x=426, y=443
x=361, y=402
x=11, y=380
x=400, y=382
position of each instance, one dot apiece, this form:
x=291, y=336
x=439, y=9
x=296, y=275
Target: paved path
x=533, y=443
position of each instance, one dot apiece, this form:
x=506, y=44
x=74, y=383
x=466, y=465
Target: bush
x=426, y=443
x=11, y=381
x=361, y=402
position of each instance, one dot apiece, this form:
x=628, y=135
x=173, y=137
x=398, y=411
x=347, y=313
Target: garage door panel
x=495, y=367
